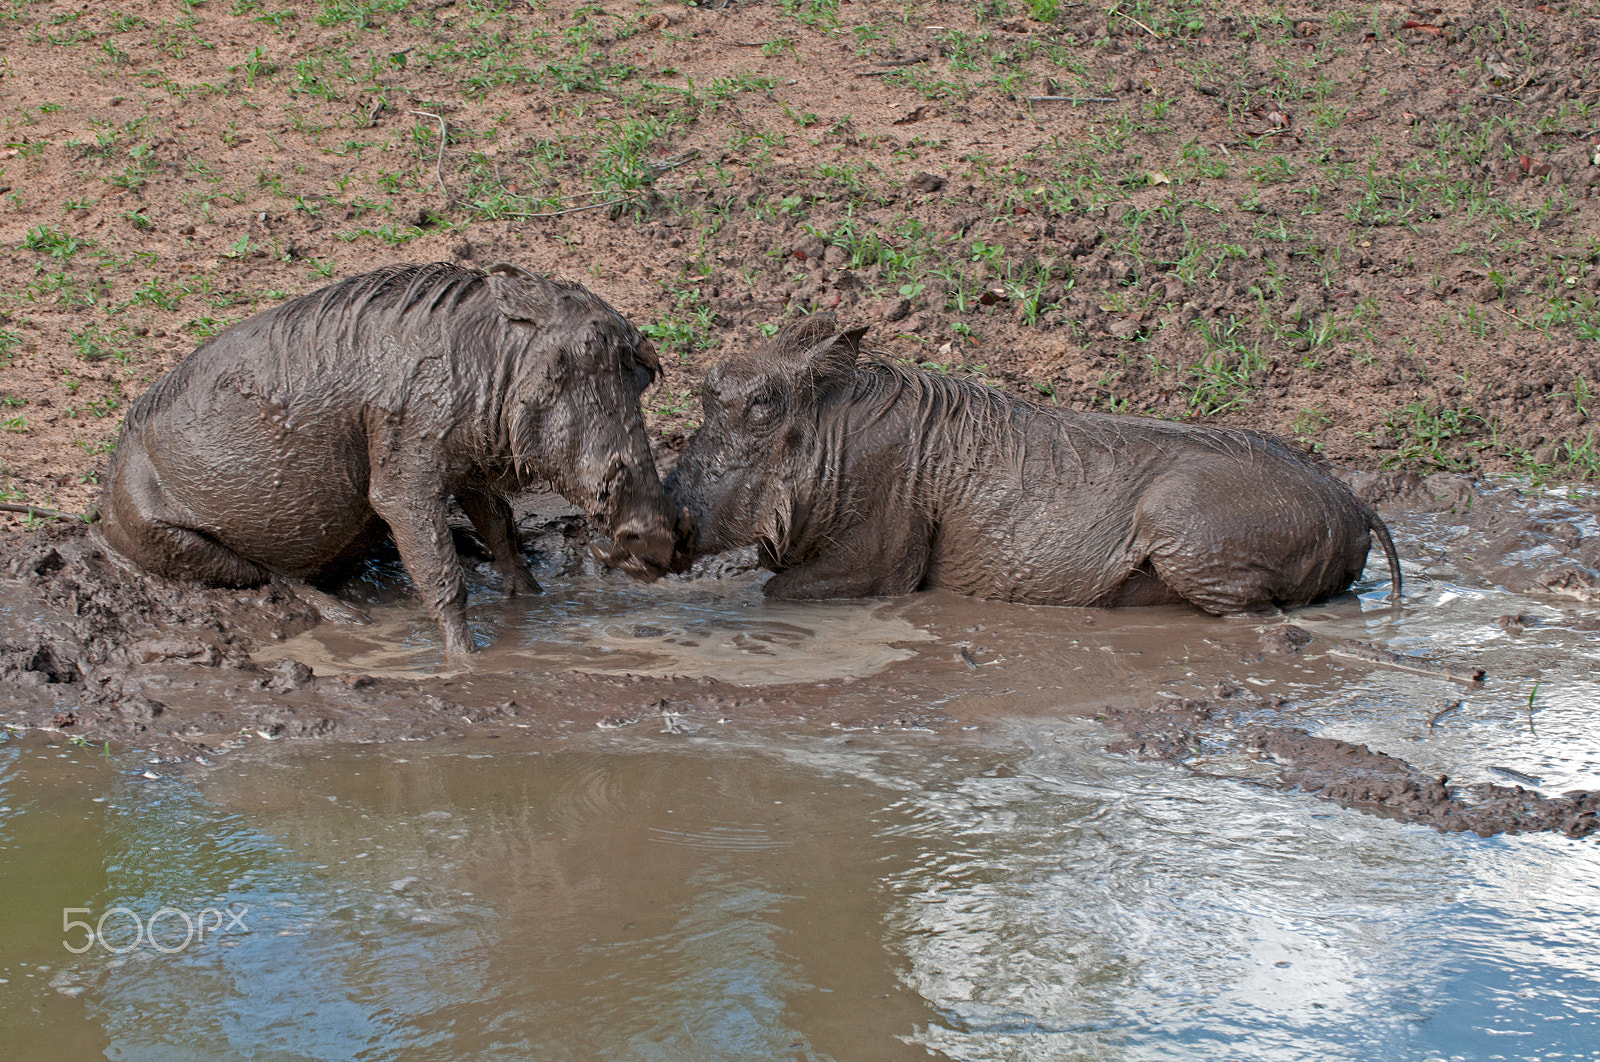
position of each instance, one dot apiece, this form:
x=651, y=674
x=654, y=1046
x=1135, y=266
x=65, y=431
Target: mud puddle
x=725, y=632
x=674, y=821
x=1312, y=700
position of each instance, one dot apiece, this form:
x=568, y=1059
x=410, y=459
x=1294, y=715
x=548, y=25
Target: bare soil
x=1371, y=230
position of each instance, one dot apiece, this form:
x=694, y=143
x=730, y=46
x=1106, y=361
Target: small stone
x=896, y=310
x=808, y=247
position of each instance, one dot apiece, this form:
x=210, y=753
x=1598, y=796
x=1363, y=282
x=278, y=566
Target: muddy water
x=724, y=631
x=980, y=880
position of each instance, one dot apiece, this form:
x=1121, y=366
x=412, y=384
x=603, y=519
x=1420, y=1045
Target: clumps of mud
x=1239, y=721
x=99, y=651
x=94, y=651
x=1525, y=541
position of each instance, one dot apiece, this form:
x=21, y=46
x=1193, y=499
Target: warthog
x=874, y=479
x=284, y=445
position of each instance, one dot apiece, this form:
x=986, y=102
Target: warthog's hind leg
x=492, y=518
x=179, y=552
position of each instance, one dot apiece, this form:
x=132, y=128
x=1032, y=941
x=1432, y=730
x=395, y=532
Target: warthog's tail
x=1380, y=531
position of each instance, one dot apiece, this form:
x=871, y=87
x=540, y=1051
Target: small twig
x=1072, y=99
x=1441, y=713
x=438, y=165
x=39, y=510
x=1516, y=776
x=572, y=210
x=1354, y=650
x=661, y=166
x=894, y=66
x=1141, y=25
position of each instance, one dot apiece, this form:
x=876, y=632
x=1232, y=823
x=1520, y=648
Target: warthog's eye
x=764, y=408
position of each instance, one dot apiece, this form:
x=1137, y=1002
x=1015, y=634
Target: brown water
x=707, y=886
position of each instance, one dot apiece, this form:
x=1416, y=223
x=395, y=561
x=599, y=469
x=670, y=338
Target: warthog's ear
x=521, y=295
x=834, y=358
x=646, y=353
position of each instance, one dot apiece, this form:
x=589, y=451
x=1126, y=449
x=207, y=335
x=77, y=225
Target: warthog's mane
x=395, y=299
x=945, y=410
x=949, y=413
x=397, y=296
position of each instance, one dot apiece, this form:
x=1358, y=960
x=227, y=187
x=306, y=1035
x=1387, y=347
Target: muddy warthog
x=876, y=479
x=283, y=446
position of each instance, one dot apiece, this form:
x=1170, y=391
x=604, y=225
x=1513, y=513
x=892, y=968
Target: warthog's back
x=1048, y=506
x=259, y=439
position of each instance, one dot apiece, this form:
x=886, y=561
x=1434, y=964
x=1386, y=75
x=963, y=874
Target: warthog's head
x=574, y=417
x=736, y=483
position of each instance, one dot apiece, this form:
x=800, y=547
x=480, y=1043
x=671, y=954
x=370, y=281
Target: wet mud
x=93, y=652
x=1243, y=722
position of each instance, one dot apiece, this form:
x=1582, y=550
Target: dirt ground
x=1372, y=230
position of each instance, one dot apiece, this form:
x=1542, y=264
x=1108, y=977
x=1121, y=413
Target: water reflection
x=658, y=898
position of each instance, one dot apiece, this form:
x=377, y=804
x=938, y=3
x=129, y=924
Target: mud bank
x=1239, y=721
x=91, y=652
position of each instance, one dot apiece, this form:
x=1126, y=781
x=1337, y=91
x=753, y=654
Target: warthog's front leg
x=415, y=514
x=859, y=563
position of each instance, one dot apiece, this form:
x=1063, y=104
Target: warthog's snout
x=683, y=545
x=642, y=546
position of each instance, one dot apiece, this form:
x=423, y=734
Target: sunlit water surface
x=862, y=897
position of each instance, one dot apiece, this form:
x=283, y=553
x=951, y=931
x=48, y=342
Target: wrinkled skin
x=872, y=479
x=286, y=444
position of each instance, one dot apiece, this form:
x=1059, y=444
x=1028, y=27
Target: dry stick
x=1072, y=99
x=39, y=510
x=894, y=65
x=1354, y=650
x=1141, y=25
x=438, y=165
x=670, y=164
x=573, y=210
x=1514, y=317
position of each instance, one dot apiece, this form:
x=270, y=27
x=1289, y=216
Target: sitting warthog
x=284, y=446
x=876, y=479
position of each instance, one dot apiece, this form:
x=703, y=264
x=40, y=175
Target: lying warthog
x=875, y=479
x=285, y=444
